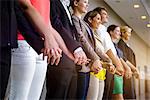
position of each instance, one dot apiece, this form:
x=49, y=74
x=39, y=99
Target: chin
x=85, y=11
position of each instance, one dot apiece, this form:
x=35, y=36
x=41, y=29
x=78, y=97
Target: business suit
x=61, y=79
x=129, y=90
x=12, y=19
x=86, y=38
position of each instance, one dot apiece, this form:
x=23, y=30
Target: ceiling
x=132, y=16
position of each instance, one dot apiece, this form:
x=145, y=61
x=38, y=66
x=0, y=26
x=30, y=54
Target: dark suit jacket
x=61, y=23
x=12, y=19
x=127, y=52
x=129, y=90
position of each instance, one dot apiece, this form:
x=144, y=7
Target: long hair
x=90, y=15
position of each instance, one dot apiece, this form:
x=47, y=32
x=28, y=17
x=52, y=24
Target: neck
x=94, y=29
x=124, y=40
x=113, y=39
x=77, y=13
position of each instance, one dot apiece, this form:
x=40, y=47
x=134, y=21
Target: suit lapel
x=90, y=34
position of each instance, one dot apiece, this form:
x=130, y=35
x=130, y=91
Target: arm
x=57, y=23
x=128, y=72
x=85, y=43
x=66, y=30
x=50, y=44
x=134, y=69
x=115, y=61
x=25, y=27
x=96, y=65
x=101, y=54
x=62, y=45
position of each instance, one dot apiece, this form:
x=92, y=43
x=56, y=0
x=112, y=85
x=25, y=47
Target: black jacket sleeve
x=58, y=20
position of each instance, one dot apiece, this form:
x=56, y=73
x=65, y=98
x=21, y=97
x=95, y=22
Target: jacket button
x=9, y=44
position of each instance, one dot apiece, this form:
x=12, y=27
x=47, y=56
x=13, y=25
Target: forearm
x=125, y=66
x=62, y=44
x=35, y=18
x=115, y=60
x=101, y=54
x=133, y=68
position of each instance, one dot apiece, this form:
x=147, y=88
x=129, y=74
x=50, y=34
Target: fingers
x=57, y=61
x=96, y=69
x=118, y=73
x=53, y=55
x=56, y=56
x=128, y=75
x=80, y=58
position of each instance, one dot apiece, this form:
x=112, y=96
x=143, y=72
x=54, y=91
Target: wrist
x=78, y=50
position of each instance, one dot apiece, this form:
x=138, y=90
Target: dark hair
x=90, y=14
x=72, y=3
x=99, y=9
x=111, y=28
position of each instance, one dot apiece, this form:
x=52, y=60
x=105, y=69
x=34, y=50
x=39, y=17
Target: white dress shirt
x=106, y=39
x=66, y=4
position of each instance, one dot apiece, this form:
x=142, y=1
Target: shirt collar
x=65, y=2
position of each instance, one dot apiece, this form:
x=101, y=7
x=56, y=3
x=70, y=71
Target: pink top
x=43, y=7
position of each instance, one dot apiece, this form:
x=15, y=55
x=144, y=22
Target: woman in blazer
x=85, y=36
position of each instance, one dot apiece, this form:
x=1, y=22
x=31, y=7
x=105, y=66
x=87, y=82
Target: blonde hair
x=124, y=29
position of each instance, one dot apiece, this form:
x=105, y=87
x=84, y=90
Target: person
x=28, y=69
x=9, y=40
x=114, y=32
x=109, y=50
x=62, y=80
x=85, y=36
x=96, y=86
x=129, y=89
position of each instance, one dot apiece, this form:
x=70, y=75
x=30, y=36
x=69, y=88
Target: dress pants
x=5, y=63
x=129, y=89
x=83, y=84
x=108, y=89
x=61, y=80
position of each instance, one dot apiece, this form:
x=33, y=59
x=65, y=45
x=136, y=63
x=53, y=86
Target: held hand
x=80, y=58
x=109, y=66
x=136, y=73
x=120, y=71
x=96, y=66
x=128, y=73
x=52, y=50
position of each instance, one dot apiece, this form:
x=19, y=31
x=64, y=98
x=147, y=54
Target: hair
x=111, y=28
x=90, y=14
x=72, y=3
x=99, y=9
x=124, y=29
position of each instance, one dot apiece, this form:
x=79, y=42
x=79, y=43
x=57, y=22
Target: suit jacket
x=129, y=90
x=12, y=19
x=61, y=23
x=127, y=52
x=84, y=35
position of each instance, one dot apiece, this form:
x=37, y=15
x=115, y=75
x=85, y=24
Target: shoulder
x=75, y=17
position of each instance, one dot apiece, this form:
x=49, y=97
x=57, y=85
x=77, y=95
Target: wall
x=149, y=56
x=141, y=50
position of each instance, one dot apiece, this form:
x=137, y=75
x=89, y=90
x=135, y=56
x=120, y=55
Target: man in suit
x=61, y=80
x=11, y=20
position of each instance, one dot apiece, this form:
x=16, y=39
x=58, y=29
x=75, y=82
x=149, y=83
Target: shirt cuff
x=78, y=49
